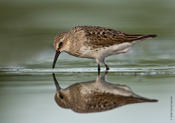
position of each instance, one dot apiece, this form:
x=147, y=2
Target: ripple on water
x=161, y=70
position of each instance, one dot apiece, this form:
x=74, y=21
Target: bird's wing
x=101, y=36
x=106, y=101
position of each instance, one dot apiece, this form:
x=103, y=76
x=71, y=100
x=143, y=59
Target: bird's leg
x=98, y=69
x=107, y=67
x=98, y=63
x=106, y=72
x=104, y=76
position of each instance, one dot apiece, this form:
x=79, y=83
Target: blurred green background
x=28, y=27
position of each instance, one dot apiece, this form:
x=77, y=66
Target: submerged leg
x=104, y=76
x=98, y=63
x=107, y=67
x=98, y=69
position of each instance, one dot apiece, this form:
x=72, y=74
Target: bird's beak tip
x=57, y=53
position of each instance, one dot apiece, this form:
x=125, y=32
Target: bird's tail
x=139, y=37
x=142, y=99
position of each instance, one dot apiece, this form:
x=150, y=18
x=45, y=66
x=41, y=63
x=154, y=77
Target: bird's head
x=59, y=41
x=62, y=99
x=62, y=96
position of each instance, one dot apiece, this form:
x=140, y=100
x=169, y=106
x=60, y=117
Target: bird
x=96, y=96
x=95, y=42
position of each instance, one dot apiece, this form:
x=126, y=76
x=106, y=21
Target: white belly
x=115, y=49
x=103, y=52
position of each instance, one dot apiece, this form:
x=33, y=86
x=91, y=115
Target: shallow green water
x=27, y=29
x=30, y=98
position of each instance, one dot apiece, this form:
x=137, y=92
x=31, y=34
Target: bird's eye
x=61, y=96
x=60, y=44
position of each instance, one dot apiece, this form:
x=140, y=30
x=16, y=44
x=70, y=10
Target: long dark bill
x=56, y=82
x=55, y=59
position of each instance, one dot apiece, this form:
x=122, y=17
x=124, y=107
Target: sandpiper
x=96, y=96
x=95, y=42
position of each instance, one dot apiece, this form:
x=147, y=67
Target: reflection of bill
x=96, y=96
x=171, y=108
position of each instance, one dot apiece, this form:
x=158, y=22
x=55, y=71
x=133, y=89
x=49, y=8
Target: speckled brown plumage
x=96, y=96
x=104, y=37
x=95, y=42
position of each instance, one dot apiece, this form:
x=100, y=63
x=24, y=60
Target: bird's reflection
x=96, y=96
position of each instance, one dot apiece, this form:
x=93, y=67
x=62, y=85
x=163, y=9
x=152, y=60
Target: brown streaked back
x=101, y=36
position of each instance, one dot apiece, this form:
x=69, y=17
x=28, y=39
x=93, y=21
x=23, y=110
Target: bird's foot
x=107, y=67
